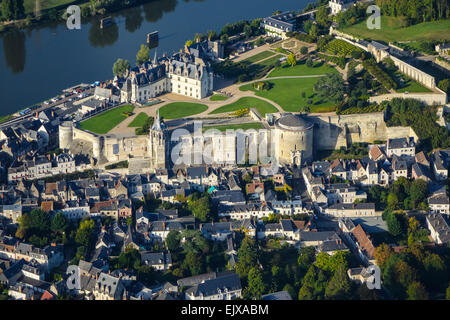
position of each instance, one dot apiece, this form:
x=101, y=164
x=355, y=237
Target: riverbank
x=56, y=11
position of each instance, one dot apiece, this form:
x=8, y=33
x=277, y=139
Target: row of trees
x=12, y=10
x=415, y=272
x=411, y=112
x=415, y=11
x=402, y=194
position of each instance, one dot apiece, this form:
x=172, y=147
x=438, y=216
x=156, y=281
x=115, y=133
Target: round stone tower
x=65, y=134
x=294, y=139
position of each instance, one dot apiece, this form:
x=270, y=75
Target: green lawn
x=139, y=121
x=263, y=107
x=392, y=30
x=218, y=97
x=105, y=121
x=259, y=56
x=177, y=110
x=270, y=60
x=243, y=126
x=288, y=94
x=6, y=118
x=412, y=86
x=300, y=69
x=45, y=4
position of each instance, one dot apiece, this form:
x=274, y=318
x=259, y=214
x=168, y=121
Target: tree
x=201, y=208
x=416, y=291
x=314, y=31
x=307, y=24
x=84, y=232
x=382, y=254
x=289, y=289
x=392, y=200
x=211, y=35
x=330, y=87
x=418, y=191
x=291, y=60
x=447, y=293
x=120, y=67
x=256, y=286
x=306, y=257
x=59, y=223
x=304, y=50
x=394, y=225
x=444, y=85
x=143, y=54
x=199, y=37
x=322, y=16
x=173, y=240
x=224, y=39
x=248, y=31
x=193, y=263
x=331, y=263
x=12, y=9
x=247, y=257
x=309, y=62
x=339, y=285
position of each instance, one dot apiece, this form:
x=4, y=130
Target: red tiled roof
x=47, y=206
x=47, y=296
x=375, y=153
x=364, y=242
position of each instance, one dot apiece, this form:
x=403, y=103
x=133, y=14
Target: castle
x=291, y=138
x=182, y=73
x=111, y=148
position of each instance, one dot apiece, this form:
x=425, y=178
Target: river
x=37, y=63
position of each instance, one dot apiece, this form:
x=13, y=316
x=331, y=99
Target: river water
x=37, y=63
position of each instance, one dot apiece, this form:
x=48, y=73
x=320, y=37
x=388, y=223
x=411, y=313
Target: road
x=66, y=101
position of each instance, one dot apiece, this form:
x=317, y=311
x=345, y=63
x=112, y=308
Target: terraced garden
x=105, y=121
x=177, y=110
x=262, y=106
x=288, y=94
x=259, y=56
x=300, y=69
x=341, y=48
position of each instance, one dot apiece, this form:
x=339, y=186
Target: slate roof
x=211, y=287
x=280, y=295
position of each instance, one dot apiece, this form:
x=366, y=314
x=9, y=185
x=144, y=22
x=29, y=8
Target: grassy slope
x=177, y=110
x=105, y=121
x=259, y=56
x=263, y=107
x=139, y=121
x=288, y=94
x=300, y=69
x=244, y=126
x=45, y=4
x=391, y=30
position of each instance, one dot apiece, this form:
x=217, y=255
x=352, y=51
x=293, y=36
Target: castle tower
x=65, y=134
x=157, y=144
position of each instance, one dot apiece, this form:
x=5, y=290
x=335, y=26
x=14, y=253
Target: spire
x=157, y=124
x=154, y=59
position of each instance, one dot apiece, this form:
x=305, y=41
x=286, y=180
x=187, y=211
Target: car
x=47, y=102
